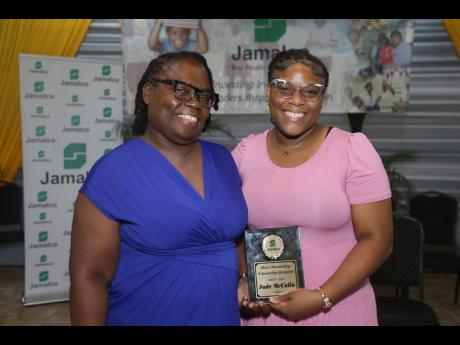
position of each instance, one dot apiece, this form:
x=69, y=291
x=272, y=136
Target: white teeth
x=188, y=117
x=292, y=115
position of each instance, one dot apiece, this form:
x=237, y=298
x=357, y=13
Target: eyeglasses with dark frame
x=308, y=92
x=185, y=92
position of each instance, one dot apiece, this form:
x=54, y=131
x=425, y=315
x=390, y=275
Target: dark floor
x=439, y=292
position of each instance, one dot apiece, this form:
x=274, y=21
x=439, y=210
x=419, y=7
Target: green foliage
x=397, y=180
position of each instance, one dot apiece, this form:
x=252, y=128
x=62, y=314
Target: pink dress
x=316, y=196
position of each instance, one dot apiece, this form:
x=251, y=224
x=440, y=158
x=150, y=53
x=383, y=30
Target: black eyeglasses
x=309, y=92
x=185, y=92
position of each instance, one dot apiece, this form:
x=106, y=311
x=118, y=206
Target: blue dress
x=178, y=263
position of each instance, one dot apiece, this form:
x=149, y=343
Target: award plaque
x=274, y=262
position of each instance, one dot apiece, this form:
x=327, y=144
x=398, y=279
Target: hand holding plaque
x=274, y=262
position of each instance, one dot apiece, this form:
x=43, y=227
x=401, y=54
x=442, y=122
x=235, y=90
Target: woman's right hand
x=250, y=309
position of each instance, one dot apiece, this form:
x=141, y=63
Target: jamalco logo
x=43, y=236
x=106, y=95
x=74, y=123
x=269, y=30
x=74, y=155
x=42, y=196
x=107, y=112
x=40, y=131
x=39, y=113
x=75, y=120
x=43, y=258
x=43, y=281
x=42, y=219
x=38, y=68
x=39, y=86
x=74, y=102
x=106, y=70
x=41, y=157
x=43, y=276
x=106, y=116
x=42, y=202
x=73, y=74
x=265, y=30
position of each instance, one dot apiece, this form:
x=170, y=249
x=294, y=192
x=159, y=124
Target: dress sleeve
x=99, y=187
x=239, y=151
x=367, y=180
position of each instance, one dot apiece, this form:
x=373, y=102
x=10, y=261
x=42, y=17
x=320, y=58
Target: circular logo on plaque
x=273, y=246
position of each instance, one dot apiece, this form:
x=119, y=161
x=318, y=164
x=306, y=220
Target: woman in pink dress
x=329, y=182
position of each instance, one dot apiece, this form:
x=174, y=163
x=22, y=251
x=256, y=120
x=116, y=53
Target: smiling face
x=294, y=116
x=177, y=121
x=178, y=36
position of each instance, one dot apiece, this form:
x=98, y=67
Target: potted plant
x=398, y=182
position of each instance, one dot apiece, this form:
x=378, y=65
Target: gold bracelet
x=326, y=301
x=243, y=275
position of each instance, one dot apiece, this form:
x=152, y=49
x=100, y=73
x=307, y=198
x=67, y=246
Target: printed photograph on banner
x=368, y=59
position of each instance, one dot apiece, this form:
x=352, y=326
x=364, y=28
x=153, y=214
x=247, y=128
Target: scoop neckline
x=320, y=148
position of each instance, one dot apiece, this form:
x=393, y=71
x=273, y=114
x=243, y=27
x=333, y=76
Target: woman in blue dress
x=155, y=223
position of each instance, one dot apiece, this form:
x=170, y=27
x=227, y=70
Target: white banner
x=68, y=109
x=368, y=59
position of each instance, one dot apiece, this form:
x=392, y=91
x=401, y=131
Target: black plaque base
x=274, y=262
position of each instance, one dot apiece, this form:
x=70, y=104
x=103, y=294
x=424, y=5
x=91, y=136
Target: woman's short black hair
x=140, y=108
x=286, y=58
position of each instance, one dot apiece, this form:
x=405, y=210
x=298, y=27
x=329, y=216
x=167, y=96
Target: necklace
x=285, y=151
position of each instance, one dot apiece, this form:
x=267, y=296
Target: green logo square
x=39, y=86
x=75, y=98
x=269, y=30
x=272, y=243
x=43, y=216
x=41, y=154
x=106, y=70
x=39, y=110
x=74, y=155
x=42, y=196
x=40, y=131
x=107, y=112
x=43, y=276
x=43, y=236
x=107, y=92
x=108, y=134
x=74, y=74
x=38, y=65
x=43, y=258
x=75, y=120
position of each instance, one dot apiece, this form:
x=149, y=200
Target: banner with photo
x=368, y=59
x=68, y=110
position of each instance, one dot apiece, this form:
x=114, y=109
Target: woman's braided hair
x=286, y=58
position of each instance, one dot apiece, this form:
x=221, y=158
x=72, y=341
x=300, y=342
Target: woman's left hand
x=297, y=305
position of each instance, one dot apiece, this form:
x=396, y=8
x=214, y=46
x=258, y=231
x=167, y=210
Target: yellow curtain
x=453, y=28
x=58, y=37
